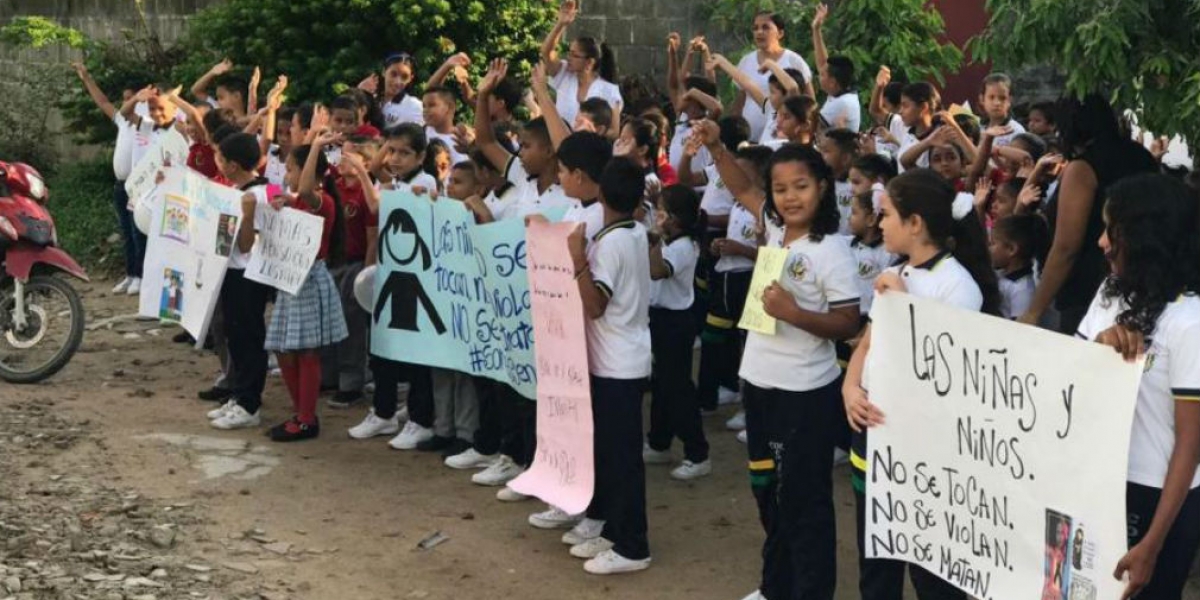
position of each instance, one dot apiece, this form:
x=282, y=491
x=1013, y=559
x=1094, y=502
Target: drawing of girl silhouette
x=403, y=288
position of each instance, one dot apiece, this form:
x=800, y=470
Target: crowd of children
x=674, y=194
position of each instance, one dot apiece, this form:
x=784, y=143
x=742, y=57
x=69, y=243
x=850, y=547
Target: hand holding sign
x=767, y=269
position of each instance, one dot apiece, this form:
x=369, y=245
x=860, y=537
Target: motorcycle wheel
x=51, y=305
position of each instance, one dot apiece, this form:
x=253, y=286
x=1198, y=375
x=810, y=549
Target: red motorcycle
x=41, y=315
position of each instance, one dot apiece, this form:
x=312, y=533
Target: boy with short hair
x=231, y=89
x=439, y=105
x=995, y=99
x=614, y=282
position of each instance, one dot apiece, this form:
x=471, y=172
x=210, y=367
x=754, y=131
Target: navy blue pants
x=134, y=240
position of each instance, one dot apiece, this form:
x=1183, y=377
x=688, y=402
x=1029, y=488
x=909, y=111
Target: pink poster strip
x=562, y=472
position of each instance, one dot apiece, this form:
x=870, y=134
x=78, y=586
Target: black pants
x=620, y=497
x=1179, y=549
x=133, y=239
x=721, y=340
x=883, y=579
x=244, y=303
x=388, y=374
x=790, y=440
x=674, y=411
x=507, y=422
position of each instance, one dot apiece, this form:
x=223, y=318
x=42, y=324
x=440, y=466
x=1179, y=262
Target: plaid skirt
x=309, y=320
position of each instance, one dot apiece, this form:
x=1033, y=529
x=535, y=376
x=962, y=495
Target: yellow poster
x=767, y=268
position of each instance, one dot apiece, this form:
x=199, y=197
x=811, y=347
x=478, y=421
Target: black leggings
x=673, y=408
x=1179, y=549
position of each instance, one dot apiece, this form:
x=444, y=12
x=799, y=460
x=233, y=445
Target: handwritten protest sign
x=453, y=294
x=562, y=471
x=1001, y=463
x=191, y=234
x=767, y=269
x=170, y=150
x=287, y=246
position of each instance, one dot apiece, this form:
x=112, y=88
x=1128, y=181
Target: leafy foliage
x=30, y=97
x=902, y=34
x=81, y=200
x=1144, y=53
x=325, y=45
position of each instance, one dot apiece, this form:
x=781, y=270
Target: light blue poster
x=453, y=294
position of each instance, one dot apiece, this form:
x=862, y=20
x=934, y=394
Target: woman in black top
x=1099, y=156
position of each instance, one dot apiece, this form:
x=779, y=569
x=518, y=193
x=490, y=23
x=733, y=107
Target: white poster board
x=170, y=150
x=1001, y=463
x=192, y=231
x=287, y=246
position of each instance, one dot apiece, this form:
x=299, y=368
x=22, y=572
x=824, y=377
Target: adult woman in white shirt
x=768, y=38
x=589, y=71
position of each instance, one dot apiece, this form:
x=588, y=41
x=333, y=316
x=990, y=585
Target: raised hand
x=883, y=77
x=537, y=77
x=327, y=138
x=983, y=189
x=567, y=11
x=370, y=84
x=222, y=67
x=673, y=41
x=256, y=78
x=699, y=44
x=820, y=15
x=996, y=131
x=707, y=132
x=497, y=71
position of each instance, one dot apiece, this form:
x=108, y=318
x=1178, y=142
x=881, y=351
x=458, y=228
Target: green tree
x=902, y=34
x=326, y=44
x=1145, y=54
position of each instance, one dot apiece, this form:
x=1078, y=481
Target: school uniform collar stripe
x=932, y=263
x=624, y=224
x=1019, y=274
x=843, y=303
x=858, y=241
x=604, y=289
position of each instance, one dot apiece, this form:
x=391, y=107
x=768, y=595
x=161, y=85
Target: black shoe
x=436, y=443
x=293, y=430
x=458, y=446
x=215, y=394
x=342, y=400
x=183, y=338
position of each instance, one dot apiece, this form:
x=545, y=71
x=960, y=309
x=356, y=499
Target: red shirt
x=326, y=211
x=666, y=173
x=356, y=216
x=367, y=130
x=203, y=158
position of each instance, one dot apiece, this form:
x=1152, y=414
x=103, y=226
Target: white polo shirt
x=619, y=341
x=895, y=126
x=909, y=140
x=743, y=229
x=238, y=259
x=590, y=214
x=1171, y=374
x=871, y=260
x=407, y=110
x=1016, y=292
x=770, y=133
x=416, y=179
x=820, y=276
x=717, y=199
x=845, y=106
x=123, y=152
x=448, y=139
x=749, y=65
x=683, y=130
x=499, y=200
x=528, y=199
x=1006, y=139
x=845, y=199
x=566, y=87
x=676, y=291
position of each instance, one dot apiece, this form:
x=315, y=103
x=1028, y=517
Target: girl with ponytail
x=923, y=219
x=589, y=70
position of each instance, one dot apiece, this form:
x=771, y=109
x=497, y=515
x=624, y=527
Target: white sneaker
x=585, y=530
x=728, y=396
x=651, y=456
x=236, y=418
x=135, y=286
x=123, y=286
x=500, y=472
x=553, y=518
x=507, y=494
x=737, y=422
x=402, y=414
x=611, y=563
x=741, y=436
x=689, y=470
x=222, y=410
x=755, y=595
x=410, y=436
x=591, y=548
x=372, y=426
x=470, y=459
